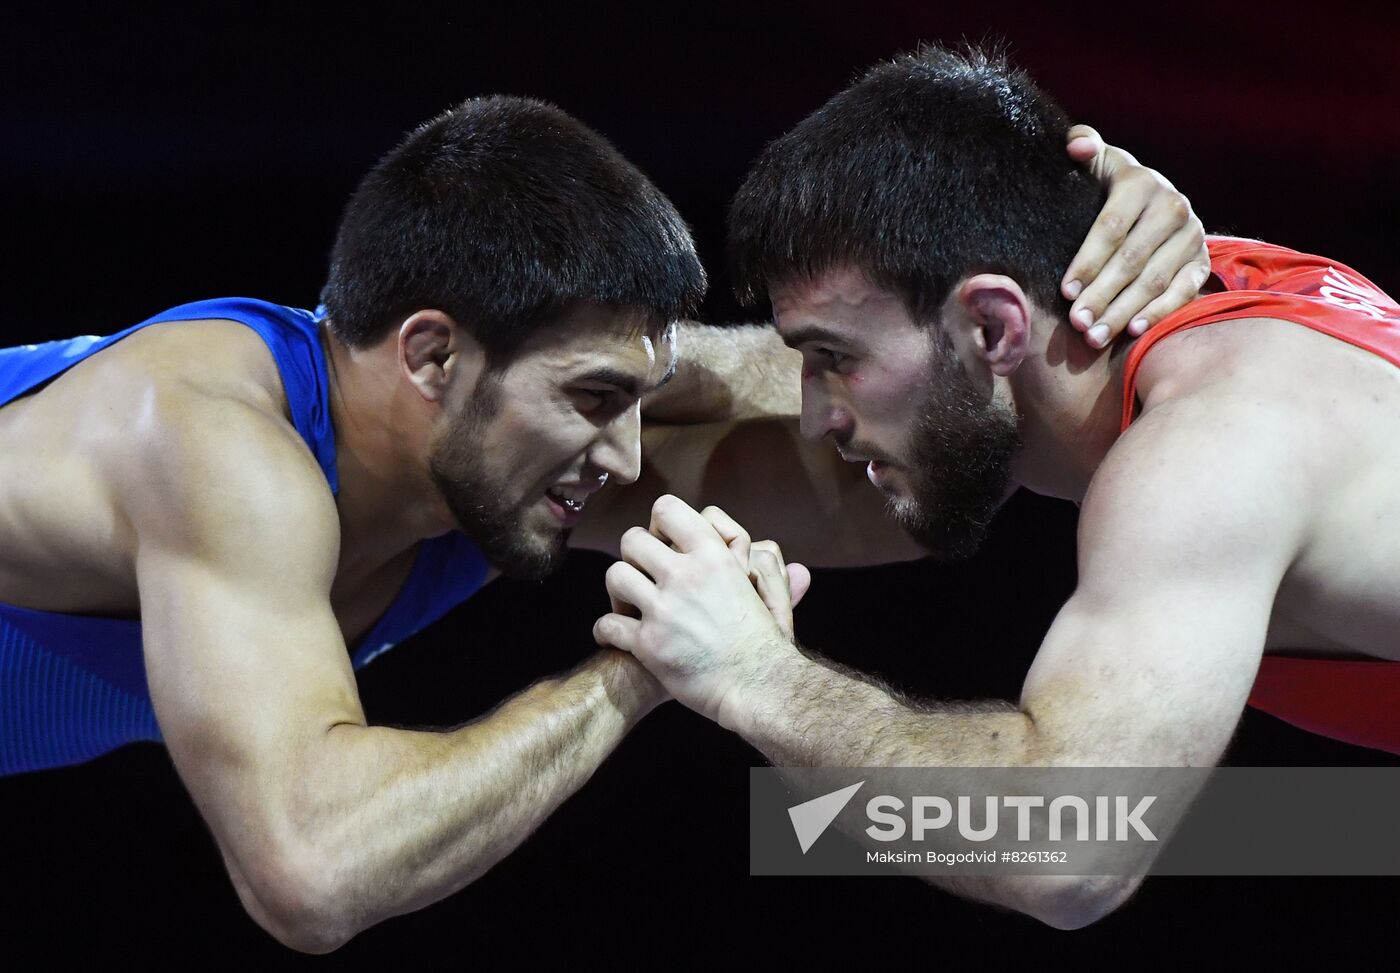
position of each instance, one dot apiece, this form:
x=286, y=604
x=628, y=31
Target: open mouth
x=566, y=503
x=573, y=503
x=883, y=474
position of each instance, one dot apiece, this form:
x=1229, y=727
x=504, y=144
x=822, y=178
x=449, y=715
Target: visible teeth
x=566, y=501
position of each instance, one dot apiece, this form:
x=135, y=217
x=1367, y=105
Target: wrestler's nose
x=618, y=450
x=823, y=415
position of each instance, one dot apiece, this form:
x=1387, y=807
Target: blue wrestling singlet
x=73, y=687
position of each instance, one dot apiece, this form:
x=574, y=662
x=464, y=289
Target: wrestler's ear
x=434, y=351
x=997, y=315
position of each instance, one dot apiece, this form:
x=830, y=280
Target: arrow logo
x=810, y=819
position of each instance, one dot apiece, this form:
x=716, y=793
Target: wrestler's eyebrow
x=624, y=382
x=813, y=333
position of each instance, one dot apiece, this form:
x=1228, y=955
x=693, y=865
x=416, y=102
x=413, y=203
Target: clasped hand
x=703, y=607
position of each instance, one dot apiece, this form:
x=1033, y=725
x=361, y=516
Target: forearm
x=808, y=713
x=738, y=372
x=399, y=819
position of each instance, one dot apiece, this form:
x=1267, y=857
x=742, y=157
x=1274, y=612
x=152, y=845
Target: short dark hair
x=931, y=167
x=503, y=212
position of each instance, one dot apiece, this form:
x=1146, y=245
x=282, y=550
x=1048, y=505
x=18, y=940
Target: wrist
x=759, y=695
x=630, y=688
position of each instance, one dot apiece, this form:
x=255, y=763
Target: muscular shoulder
x=1268, y=358
x=1213, y=475
x=216, y=357
x=215, y=472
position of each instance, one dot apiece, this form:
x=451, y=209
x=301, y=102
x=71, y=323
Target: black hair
x=503, y=212
x=931, y=167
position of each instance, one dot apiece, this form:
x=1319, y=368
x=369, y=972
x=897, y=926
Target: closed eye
x=591, y=400
x=829, y=357
x=601, y=404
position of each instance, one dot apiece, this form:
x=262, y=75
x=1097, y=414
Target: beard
x=476, y=498
x=962, y=447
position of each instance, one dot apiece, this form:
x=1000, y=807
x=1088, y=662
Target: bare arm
x=738, y=372
x=328, y=825
x=1125, y=677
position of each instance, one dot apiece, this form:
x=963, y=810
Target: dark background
x=154, y=156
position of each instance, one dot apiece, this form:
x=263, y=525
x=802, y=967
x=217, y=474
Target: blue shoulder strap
x=292, y=335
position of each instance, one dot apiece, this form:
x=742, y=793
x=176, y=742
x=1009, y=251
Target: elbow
x=1074, y=902
x=313, y=935
x=298, y=903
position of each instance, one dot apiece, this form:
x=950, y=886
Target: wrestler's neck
x=1070, y=400
x=386, y=498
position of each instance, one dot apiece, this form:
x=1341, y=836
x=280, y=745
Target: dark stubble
x=476, y=498
x=960, y=469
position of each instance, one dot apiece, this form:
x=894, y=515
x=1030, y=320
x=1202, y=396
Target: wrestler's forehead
x=593, y=335
x=836, y=300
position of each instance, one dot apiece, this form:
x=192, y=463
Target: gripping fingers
x=1166, y=238
x=769, y=576
x=734, y=536
x=1130, y=190
x=617, y=631
x=629, y=589
x=1180, y=252
x=799, y=582
x=1184, y=289
x=1129, y=230
x=675, y=521
x=1084, y=145
x=799, y=578
x=646, y=552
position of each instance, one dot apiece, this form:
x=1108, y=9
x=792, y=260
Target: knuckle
x=1178, y=208
x=1157, y=283
x=1114, y=318
x=1144, y=179
x=648, y=641
x=712, y=558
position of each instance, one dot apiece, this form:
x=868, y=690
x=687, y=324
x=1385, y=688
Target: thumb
x=799, y=581
x=771, y=581
x=1086, y=145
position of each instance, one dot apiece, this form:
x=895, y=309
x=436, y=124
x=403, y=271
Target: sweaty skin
x=1252, y=488
x=187, y=497
x=184, y=496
